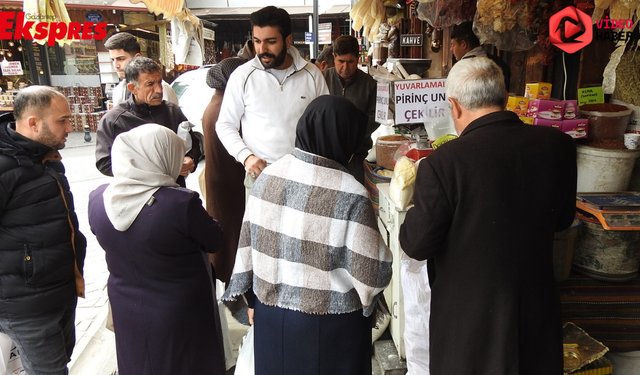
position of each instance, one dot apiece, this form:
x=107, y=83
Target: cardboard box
x=576, y=128
x=538, y=90
x=544, y=122
x=518, y=104
x=548, y=109
x=527, y=120
x=570, y=109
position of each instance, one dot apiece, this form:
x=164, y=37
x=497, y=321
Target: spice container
x=606, y=120
x=386, y=147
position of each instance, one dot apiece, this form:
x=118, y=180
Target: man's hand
x=187, y=166
x=250, y=313
x=254, y=166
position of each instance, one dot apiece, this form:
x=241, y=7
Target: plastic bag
x=438, y=121
x=504, y=24
x=402, y=183
x=245, y=365
x=445, y=13
x=417, y=305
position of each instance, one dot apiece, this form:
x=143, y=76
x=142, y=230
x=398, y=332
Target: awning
x=246, y=11
x=89, y=4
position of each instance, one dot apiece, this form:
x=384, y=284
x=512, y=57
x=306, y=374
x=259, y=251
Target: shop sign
x=13, y=68
x=590, y=95
x=308, y=37
x=208, y=34
x=411, y=40
x=93, y=16
x=165, y=7
x=382, y=103
x=324, y=33
x=416, y=100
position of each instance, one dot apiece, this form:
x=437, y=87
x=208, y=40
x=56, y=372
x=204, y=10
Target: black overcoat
x=486, y=209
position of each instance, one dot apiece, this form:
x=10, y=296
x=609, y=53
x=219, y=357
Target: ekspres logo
x=13, y=26
x=570, y=29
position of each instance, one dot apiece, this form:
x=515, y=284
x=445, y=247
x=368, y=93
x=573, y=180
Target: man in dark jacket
x=346, y=80
x=41, y=250
x=144, y=106
x=486, y=208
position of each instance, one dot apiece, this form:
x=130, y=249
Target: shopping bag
x=245, y=364
x=10, y=362
x=5, y=350
x=417, y=305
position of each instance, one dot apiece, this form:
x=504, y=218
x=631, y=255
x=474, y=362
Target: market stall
x=590, y=95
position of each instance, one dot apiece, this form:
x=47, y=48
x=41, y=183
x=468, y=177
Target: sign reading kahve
x=411, y=40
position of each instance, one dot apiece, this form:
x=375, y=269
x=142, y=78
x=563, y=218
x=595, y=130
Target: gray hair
x=327, y=56
x=35, y=99
x=139, y=65
x=476, y=83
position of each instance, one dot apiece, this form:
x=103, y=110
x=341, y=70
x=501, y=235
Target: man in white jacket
x=122, y=48
x=267, y=95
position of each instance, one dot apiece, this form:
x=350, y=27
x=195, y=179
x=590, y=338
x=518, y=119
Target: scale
x=615, y=211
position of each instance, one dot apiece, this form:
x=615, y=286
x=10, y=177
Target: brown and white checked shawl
x=309, y=240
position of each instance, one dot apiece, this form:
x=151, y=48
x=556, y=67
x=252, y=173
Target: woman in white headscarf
x=156, y=236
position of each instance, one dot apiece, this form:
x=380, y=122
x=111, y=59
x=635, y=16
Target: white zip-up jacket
x=268, y=110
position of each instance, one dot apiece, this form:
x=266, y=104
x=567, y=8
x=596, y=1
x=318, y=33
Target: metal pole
x=315, y=28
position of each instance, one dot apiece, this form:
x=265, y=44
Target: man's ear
x=132, y=88
x=32, y=121
x=456, y=108
x=137, y=55
x=289, y=41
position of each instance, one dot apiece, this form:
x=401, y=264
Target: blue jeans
x=45, y=340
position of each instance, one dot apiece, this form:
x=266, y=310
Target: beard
x=47, y=138
x=276, y=61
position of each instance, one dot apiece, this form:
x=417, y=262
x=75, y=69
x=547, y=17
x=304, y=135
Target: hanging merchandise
x=445, y=13
x=368, y=14
x=503, y=23
x=618, y=9
x=46, y=11
x=187, y=37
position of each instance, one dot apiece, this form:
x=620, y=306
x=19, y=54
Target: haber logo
x=13, y=26
x=570, y=29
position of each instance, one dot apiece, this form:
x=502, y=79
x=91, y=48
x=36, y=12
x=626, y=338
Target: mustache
x=156, y=96
x=266, y=54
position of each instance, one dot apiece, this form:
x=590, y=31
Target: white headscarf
x=142, y=160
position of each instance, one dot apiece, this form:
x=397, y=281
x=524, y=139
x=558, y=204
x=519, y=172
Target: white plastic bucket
x=602, y=170
x=625, y=363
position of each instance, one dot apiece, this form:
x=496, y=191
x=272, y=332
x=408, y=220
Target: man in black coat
x=486, y=208
x=41, y=250
x=145, y=105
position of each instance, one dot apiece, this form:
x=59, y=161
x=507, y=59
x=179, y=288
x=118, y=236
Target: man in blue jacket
x=41, y=250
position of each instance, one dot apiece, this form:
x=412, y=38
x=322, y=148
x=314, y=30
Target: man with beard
x=346, y=80
x=267, y=95
x=145, y=105
x=41, y=250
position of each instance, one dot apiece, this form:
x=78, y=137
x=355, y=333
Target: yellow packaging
x=518, y=105
x=527, y=120
x=538, y=90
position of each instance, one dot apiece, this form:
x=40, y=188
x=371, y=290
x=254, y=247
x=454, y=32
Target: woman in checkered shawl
x=310, y=257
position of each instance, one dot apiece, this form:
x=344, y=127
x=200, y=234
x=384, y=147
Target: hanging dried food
x=445, y=13
x=627, y=88
x=503, y=23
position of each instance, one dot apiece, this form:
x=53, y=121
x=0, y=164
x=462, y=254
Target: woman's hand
x=250, y=312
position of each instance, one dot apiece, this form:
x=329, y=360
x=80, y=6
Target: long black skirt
x=288, y=342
